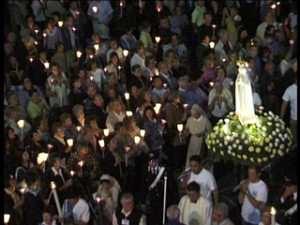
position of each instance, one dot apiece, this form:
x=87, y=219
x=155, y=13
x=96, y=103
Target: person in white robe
x=197, y=126
x=194, y=209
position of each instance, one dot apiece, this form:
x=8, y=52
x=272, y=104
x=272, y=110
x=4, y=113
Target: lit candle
x=156, y=72
x=273, y=214
x=44, y=34
x=278, y=3
x=73, y=29
x=127, y=149
x=291, y=42
x=180, y=127
x=223, y=59
x=211, y=84
x=165, y=85
x=31, y=59
x=49, y=146
x=81, y=163
x=185, y=106
x=127, y=96
x=6, y=218
x=157, y=108
x=106, y=132
x=96, y=47
x=91, y=56
x=121, y=8
x=78, y=128
x=42, y=157
x=129, y=113
x=137, y=140
x=273, y=6
x=95, y=9
x=101, y=143
x=53, y=187
x=91, y=78
x=36, y=42
x=119, y=67
x=125, y=52
x=60, y=23
x=36, y=31
x=77, y=12
x=211, y=44
x=142, y=132
x=78, y=54
x=105, y=69
x=163, y=121
x=98, y=200
x=47, y=65
x=70, y=142
x=21, y=124
x=157, y=39
x=72, y=173
x=214, y=29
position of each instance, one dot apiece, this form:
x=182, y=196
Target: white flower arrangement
x=268, y=139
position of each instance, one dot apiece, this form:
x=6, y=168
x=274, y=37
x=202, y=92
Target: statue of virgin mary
x=244, y=97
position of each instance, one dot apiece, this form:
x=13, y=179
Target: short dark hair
x=193, y=186
x=256, y=168
x=196, y=158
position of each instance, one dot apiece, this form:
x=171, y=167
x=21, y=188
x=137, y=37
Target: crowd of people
x=104, y=97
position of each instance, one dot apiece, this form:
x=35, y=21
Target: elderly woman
x=108, y=193
x=197, y=126
x=220, y=215
x=115, y=114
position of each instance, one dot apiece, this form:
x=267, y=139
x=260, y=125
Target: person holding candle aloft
x=267, y=218
x=253, y=196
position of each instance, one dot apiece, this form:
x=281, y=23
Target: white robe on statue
x=244, y=98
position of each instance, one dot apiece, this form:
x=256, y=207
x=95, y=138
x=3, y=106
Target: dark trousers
x=246, y=223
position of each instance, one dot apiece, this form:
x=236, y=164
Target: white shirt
x=259, y=191
x=206, y=181
x=99, y=77
x=195, y=213
x=290, y=95
x=81, y=211
x=137, y=60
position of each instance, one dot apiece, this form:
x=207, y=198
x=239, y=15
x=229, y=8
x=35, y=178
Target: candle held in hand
x=180, y=127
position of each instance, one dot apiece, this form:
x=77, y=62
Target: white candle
x=137, y=140
x=47, y=65
x=125, y=52
x=211, y=44
x=211, y=84
x=127, y=96
x=21, y=124
x=73, y=29
x=129, y=113
x=72, y=173
x=156, y=72
x=78, y=54
x=101, y=143
x=78, y=128
x=80, y=163
x=56, y=199
x=127, y=149
x=95, y=9
x=180, y=127
x=31, y=59
x=142, y=132
x=106, y=132
x=119, y=67
x=70, y=142
x=157, y=108
x=157, y=39
x=273, y=6
x=36, y=42
x=60, y=23
x=44, y=34
x=42, y=157
x=6, y=218
x=36, y=31
x=185, y=105
x=96, y=47
x=273, y=214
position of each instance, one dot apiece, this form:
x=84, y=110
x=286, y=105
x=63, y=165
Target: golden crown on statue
x=241, y=63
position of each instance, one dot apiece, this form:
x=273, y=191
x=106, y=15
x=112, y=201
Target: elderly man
x=220, y=215
x=173, y=214
x=128, y=214
x=194, y=209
